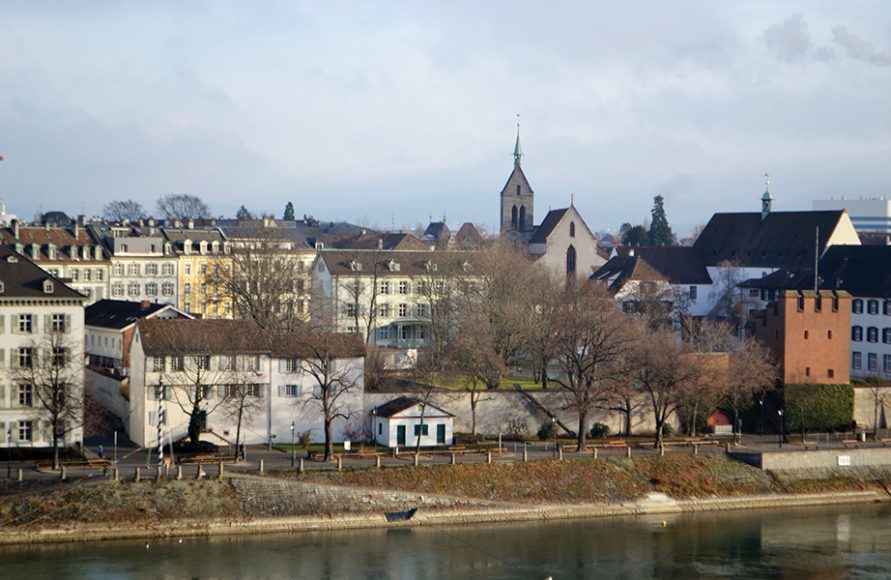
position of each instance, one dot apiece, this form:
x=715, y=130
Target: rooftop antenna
x=817, y=260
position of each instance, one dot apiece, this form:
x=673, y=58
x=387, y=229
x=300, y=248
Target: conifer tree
x=660, y=233
x=289, y=212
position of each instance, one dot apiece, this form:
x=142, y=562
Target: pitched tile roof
x=308, y=344
x=119, y=314
x=782, y=239
x=547, y=226
x=863, y=271
x=22, y=278
x=61, y=238
x=207, y=336
x=400, y=404
x=409, y=262
x=671, y=264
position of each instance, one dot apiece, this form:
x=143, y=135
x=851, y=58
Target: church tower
x=517, y=199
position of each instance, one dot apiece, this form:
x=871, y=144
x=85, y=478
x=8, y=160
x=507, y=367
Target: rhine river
x=838, y=542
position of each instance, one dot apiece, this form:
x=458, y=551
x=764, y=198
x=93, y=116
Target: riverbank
x=102, y=510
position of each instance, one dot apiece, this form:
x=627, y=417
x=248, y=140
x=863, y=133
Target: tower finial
x=572, y=200
x=518, y=150
x=767, y=182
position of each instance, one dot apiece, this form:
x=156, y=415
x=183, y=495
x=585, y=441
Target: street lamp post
x=374, y=426
x=293, y=449
x=8, y=443
x=554, y=425
x=782, y=431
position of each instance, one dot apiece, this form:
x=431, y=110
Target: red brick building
x=809, y=334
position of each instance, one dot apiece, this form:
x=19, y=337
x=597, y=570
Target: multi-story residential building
x=41, y=344
x=391, y=299
x=143, y=265
x=71, y=254
x=865, y=273
x=808, y=333
x=200, y=253
x=216, y=357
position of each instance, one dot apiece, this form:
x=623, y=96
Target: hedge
x=825, y=407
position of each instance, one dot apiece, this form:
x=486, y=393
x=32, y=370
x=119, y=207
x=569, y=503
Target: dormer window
x=47, y=286
x=187, y=246
x=430, y=266
x=2, y=286
x=466, y=266
x=215, y=247
x=355, y=266
x=202, y=247
x=11, y=259
x=393, y=266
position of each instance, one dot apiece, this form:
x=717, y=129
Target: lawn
x=507, y=382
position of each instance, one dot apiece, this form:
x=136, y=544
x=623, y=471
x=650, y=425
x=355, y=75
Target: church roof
x=520, y=175
x=547, y=226
x=781, y=239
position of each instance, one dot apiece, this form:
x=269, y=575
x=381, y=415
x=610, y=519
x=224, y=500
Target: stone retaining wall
x=835, y=459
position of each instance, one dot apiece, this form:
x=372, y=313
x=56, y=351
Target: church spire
x=518, y=150
x=766, y=198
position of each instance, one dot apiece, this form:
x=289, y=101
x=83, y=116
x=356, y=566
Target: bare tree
x=589, y=341
x=472, y=357
x=323, y=356
x=182, y=206
x=242, y=400
x=123, y=209
x=50, y=380
x=666, y=372
x=262, y=278
x=751, y=373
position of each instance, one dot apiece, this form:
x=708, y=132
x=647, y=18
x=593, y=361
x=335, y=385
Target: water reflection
x=793, y=543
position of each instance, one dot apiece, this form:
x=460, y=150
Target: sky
x=389, y=113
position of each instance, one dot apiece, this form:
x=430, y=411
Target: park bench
x=457, y=448
x=207, y=458
x=617, y=443
x=884, y=441
x=849, y=442
x=95, y=463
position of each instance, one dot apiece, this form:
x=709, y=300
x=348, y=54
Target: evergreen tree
x=635, y=236
x=289, y=212
x=243, y=214
x=660, y=233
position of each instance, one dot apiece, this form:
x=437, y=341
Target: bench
x=884, y=441
x=202, y=459
x=849, y=442
x=96, y=463
x=457, y=448
x=617, y=443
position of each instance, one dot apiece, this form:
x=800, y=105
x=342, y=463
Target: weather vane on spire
x=766, y=182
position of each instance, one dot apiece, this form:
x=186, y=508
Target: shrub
x=517, y=430
x=599, y=431
x=547, y=430
x=667, y=430
x=818, y=407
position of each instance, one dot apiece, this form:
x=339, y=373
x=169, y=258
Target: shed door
x=440, y=434
x=400, y=434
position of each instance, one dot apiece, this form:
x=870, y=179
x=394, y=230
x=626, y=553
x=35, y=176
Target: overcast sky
x=389, y=112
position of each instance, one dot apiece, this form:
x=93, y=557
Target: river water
x=836, y=542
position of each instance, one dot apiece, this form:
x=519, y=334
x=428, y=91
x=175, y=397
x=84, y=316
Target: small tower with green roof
x=766, y=199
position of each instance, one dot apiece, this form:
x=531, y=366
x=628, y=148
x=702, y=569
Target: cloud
x=860, y=49
x=789, y=41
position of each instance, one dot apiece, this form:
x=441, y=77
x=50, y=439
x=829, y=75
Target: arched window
x=513, y=217
x=570, y=261
x=522, y=217
x=518, y=189
x=571, y=229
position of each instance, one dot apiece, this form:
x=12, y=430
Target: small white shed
x=398, y=423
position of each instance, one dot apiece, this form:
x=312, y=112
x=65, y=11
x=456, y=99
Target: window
x=801, y=302
x=202, y=363
x=100, y=275
x=301, y=285
x=384, y=287
x=423, y=287
x=151, y=269
x=383, y=333
x=872, y=334
x=133, y=270
x=26, y=396
x=426, y=430
x=167, y=269
x=88, y=275
x=292, y=365
x=60, y=356
x=117, y=289
x=857, y=333
x=75, y=274
x=383, y=311
x=403, y=287
x=403, y=309
x=151, y=289
x=807, y=371
x=188, y=269
x=133, y=289
x=857, y=306
x=570, y=261
x=291, y=391
x=693, y=292
x=886, y=363
x=26, y=323
x=405, y=332
x=203, y=288
x=829, y=334
x=158, y=364
x=835, y=303
x=187, y=306
x=856, y=360
x=886, y=335
x=118, y=269
x=26, y=430
x=872, y=361
x=177, y=363
x=806, y=335
x=26, y=357
x=167, y=289
x=830, y=373
x=872, y=307
x=204, y=268
x=571, y=229
x=58, y=322
x=818, y=304
x=886, y=308
x=350, y=309
x=423, y=311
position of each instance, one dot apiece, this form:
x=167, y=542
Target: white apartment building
x=222, y=355
x=39, y=315
x=868, y=214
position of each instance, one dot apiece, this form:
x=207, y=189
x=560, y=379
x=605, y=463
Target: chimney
x=82, y=220
x=146, y=304
x=631, y=252
x=191, y=224
x=151, y=222
x=141, y=222
x=15, y=228
x=380, y=243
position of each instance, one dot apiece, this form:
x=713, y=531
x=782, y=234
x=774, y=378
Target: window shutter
x=12, y=355
x=2, y=395
x=281, y=366
x=14, y=326
x=2, y=358
x=47, y=323
x=281, y=390
x=2, y=323
x=67, y=323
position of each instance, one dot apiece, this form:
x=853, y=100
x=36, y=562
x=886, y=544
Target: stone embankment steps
x=266, y=497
